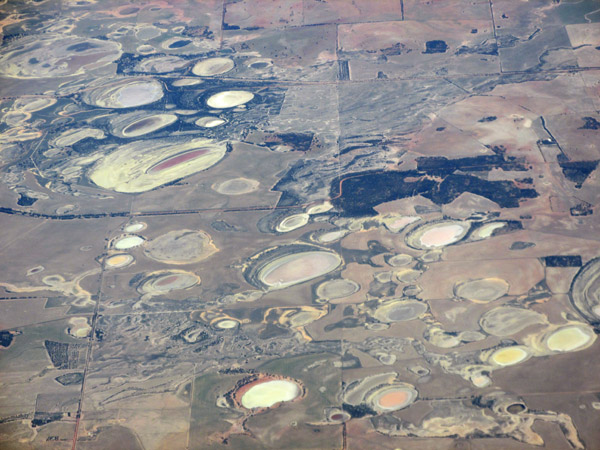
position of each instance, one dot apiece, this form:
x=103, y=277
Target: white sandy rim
x=293, y=222
x=226, y=324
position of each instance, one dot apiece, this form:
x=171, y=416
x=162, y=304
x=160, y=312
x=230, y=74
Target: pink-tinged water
x=178, y=159
x=392, y=399
x=168, y=280
x=302, y=268
x=441, y=236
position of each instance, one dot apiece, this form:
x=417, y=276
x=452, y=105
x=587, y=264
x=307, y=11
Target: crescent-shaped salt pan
x=213, y=66
x=381, y=392
x=487, y=230
x=585, y=291
x=320, y=208
x=33, y=104
x=56, y=55
x=396, y=223
x=72, y=136
x=187, y=82
x=125, y=93
x=144, y=165
x=229, y=99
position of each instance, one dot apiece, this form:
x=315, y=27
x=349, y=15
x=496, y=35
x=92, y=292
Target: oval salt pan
x=483, y=290
x=127, y=242
x=180, y=247
x=229, y=99
x=118, y=261
x=213, y=66
x=570, y=338
x=509, y=356
x=236, y=186
x=437, y=234
x=146, y=125
x=166, y=281
x=134, y=227
x=296, y=268
x=269, y=393
x=400, y=310
x=393, y=398
x=209, y=121
x=337, y=288
x=292, y=222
